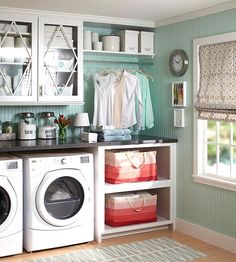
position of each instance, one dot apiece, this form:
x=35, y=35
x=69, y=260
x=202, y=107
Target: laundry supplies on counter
x=47, y=128
x=27, y=126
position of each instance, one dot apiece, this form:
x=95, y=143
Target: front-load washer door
x=62, y=196
x=8, y=203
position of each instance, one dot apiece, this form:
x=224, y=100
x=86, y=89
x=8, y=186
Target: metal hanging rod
x=117, y=62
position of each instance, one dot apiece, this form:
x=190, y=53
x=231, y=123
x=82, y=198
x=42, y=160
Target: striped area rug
x=152, y=250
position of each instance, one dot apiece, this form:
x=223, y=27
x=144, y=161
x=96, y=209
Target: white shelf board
x=117, y=53
x=161, y=221
x=160, y=183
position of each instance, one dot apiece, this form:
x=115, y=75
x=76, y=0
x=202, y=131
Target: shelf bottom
x=142, y=226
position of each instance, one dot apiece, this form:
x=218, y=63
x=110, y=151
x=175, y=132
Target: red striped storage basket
x=130, y=208
x=130, y=166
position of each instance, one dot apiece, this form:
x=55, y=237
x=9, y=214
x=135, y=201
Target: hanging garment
x=131, y=95
x=104, y=87
x=147, y=112
x=117, y=104
x=121, y=91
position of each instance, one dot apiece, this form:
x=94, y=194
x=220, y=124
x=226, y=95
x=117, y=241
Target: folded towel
x=116, y=132
x=114, y=138
x=112, y=132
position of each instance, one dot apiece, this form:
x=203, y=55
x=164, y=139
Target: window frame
x=198, y=125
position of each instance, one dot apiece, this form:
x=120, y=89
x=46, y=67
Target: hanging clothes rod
x=117, y=62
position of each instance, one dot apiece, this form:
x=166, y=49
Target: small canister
x=27, y=126
x=47, y=128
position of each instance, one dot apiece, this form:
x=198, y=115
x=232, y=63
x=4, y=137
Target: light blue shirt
x=147, y=118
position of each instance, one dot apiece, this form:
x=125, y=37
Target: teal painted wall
x=207, y=206
x=203, y=205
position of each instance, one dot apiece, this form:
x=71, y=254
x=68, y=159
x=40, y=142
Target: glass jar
x=47, y=128
x=27, y=126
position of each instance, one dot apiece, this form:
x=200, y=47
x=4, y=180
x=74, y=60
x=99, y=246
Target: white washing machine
x=58, y=199
x=11, y=205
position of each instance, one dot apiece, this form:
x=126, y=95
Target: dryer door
x=8, y=203
x=62, y=196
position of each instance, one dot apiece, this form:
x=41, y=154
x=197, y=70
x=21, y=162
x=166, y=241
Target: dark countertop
x=69, y=143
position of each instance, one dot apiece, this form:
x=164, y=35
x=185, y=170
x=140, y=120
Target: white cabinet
x=164, y=187
x=41, y=59
x=60, y=60
x=18, y=58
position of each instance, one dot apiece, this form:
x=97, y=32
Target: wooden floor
x=213, y=254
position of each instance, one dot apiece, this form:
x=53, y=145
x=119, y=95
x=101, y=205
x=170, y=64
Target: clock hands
x=178, y=60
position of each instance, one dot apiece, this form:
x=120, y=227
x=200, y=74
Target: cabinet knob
x=41, y=90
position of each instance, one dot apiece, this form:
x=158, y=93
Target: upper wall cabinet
x=18, y=58
x=60, y=60
x=41, y=59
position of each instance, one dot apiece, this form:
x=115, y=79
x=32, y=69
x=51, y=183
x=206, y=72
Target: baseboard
x=206, y=235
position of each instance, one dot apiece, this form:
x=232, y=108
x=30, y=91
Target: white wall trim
x=195, y=14
x=206, y=235
x=228, y=185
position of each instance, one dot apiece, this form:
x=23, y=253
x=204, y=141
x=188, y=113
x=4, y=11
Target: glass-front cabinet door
x=60, y=60
x=18, y=56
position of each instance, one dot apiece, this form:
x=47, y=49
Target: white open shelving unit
x=164, y=187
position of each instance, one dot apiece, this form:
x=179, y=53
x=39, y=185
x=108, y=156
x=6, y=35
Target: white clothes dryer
x=11, y=205
x=58, y=199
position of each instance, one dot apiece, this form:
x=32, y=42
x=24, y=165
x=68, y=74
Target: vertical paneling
x=204, y=205
x=200, y=204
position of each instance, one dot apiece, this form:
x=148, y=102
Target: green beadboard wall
x=203, y=205
x=207, y=206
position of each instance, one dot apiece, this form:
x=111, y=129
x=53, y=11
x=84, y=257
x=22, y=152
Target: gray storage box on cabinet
x=146, y=42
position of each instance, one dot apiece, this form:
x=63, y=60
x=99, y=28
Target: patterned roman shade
x=217, y=82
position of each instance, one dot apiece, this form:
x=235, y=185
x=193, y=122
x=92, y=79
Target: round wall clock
x=178, y=62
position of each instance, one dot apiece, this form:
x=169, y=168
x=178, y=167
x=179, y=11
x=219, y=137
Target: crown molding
x=118, y=21
x=199, y=13
x=86, y=18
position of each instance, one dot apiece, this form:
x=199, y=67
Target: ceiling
x=150, y=10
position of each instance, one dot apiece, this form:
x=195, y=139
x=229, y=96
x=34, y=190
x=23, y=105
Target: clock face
x=178, y=62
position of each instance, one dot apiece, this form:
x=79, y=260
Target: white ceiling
x=151, y=10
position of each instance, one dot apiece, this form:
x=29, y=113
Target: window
x=214, y=121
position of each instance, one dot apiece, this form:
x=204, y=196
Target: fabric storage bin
x=146, y=42
x=129, y=41
x=130, y=166
x=130, y=208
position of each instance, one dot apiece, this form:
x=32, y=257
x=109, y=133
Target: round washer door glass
x=5, y=205
x=64, y=197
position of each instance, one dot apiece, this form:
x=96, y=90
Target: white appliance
x=58, y=199
x=11, y=205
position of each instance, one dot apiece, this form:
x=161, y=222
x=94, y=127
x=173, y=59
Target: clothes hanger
x=141, y=71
